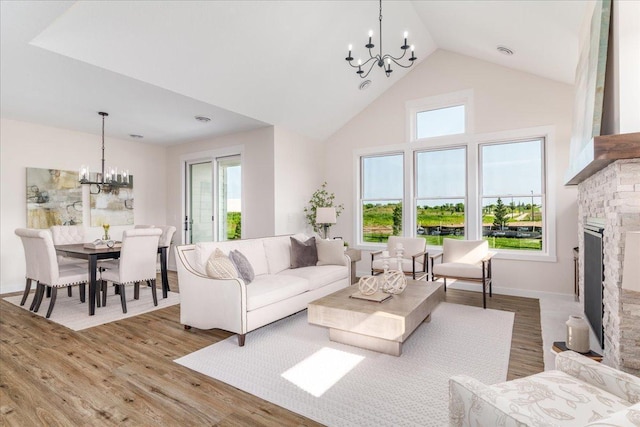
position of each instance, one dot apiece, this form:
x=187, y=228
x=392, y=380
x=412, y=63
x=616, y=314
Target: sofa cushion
x=242, y=264
x=318, y=276
x=268, y=289
x=219, y=266
x=303, y=254
x=330, y=252
x=253, y=249
x=278, y=250
x=555, y=398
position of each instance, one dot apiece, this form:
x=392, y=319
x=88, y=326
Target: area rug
x=294, y=365
x=73, y=314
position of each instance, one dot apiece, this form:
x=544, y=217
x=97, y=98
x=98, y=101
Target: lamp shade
x=631, y=268
x=326, y=215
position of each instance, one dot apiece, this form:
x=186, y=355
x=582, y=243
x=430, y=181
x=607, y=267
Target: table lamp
x=326, y=217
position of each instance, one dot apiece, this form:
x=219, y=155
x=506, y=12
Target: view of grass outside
x=509, y=226
x=234, y=224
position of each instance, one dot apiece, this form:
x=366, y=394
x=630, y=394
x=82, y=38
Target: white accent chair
x=414, y=257
x=466, y=260
x=580, y=392
x=49, y=274
x=137, y=263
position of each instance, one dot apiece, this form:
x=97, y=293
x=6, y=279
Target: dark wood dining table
x=93, y=255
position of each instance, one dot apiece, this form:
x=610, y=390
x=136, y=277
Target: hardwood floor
x=123, y=373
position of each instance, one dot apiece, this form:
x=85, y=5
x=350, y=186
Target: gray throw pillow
x=330, y=252
x=303, y=254
x=245, y=270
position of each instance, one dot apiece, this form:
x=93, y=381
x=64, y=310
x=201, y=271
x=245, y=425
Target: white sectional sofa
x=276, y=291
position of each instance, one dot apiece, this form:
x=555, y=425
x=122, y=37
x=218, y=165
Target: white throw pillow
x=219, y=266
x=330, y=252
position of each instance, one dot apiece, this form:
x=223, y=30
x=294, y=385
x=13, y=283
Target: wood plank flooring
x=123, y=373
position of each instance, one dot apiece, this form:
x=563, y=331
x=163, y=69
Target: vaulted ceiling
x=154, y=65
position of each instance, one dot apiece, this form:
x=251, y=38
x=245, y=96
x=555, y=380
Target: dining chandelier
x=109, y=177
x=383, y=61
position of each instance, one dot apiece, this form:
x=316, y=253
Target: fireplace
x=594, y=276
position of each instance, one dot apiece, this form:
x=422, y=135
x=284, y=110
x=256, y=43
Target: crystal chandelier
x=109, y=177
x=383, y=61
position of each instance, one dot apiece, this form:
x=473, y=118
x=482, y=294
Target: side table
x=355, y=255
x=560, y=346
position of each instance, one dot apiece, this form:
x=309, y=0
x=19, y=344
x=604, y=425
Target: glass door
x=229, y=198
x=199, y=220
x=213, y=199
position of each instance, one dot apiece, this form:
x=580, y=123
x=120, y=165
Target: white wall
x=257, y=175
x=298, y=169
x=626, y=27
x=25, y=145
x=504, y=99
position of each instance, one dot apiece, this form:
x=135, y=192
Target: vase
x=578, y=334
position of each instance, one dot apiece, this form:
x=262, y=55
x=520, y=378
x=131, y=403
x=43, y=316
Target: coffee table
x=378, y=326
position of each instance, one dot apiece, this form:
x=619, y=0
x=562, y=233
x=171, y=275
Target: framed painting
x=54, y=197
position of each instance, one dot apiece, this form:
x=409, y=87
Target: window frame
x=473, y=214
x=453, y=99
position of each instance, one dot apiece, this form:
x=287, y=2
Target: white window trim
x=463, y=97
x=473, y=221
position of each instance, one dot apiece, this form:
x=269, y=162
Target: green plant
x=321, y=198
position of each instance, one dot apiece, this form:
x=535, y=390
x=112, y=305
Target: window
x=512, y=194
x=229, y=197
x=382, y=191
x=440, y=194
x=440, y=122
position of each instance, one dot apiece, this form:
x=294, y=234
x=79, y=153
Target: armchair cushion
x=464, y=251
x=407, y=264
x=410, y=246
x=458, y=269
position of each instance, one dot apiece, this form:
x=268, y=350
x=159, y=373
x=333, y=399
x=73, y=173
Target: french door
x=213, y=210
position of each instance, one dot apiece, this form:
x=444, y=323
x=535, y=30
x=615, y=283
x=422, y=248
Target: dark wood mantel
x=606, y=150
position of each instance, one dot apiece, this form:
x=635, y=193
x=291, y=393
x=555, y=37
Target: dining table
x=92, y=255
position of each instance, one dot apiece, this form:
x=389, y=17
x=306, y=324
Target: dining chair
x=465, y=260
x=50, y=274
x=68, y=235
x=137, y=263
x=28, y=236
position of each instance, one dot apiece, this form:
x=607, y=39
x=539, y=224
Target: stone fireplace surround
x=612, y=194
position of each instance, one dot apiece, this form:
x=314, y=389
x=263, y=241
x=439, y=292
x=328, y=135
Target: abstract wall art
x=54, y=197
x=112, y=205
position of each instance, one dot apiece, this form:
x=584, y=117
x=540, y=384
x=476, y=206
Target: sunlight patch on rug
x=368, y=388
x=319, y=372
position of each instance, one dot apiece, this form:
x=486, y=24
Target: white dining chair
x=137, y=263
x=50, y=275
x=28, y=236
x=68, y=235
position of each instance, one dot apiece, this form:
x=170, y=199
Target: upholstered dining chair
x=49, y=274
x=414, y=256
x=137, y=263
x=466, y=260
x=28, y=236
x=68, y=235
x=165, y=239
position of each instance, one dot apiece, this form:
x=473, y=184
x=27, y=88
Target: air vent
x=505, y=50
x=364, y=85
x=203, y=119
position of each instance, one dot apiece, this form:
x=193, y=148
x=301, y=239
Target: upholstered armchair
x=580, y=392
x=414, y=256
x=467, y=260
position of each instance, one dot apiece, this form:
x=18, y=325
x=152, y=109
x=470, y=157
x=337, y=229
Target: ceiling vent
x=364, y=85
x=505, y=50
x=203, y=119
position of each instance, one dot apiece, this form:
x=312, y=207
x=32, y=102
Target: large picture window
x=382, y=191
x=512, y=194
x=440, y=194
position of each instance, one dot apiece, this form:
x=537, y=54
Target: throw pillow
x=219, y=266
x=245, y=270
x=303, y=254
x=330, y=252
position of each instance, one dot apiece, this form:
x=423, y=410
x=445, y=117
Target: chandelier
x=109, y=177
x=383, y=61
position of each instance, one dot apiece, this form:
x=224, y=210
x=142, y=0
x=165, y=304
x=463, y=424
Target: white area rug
x=73, y=314
x=294, y=365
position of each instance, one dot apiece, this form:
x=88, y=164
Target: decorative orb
x=368, y=285
x=395, y=282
